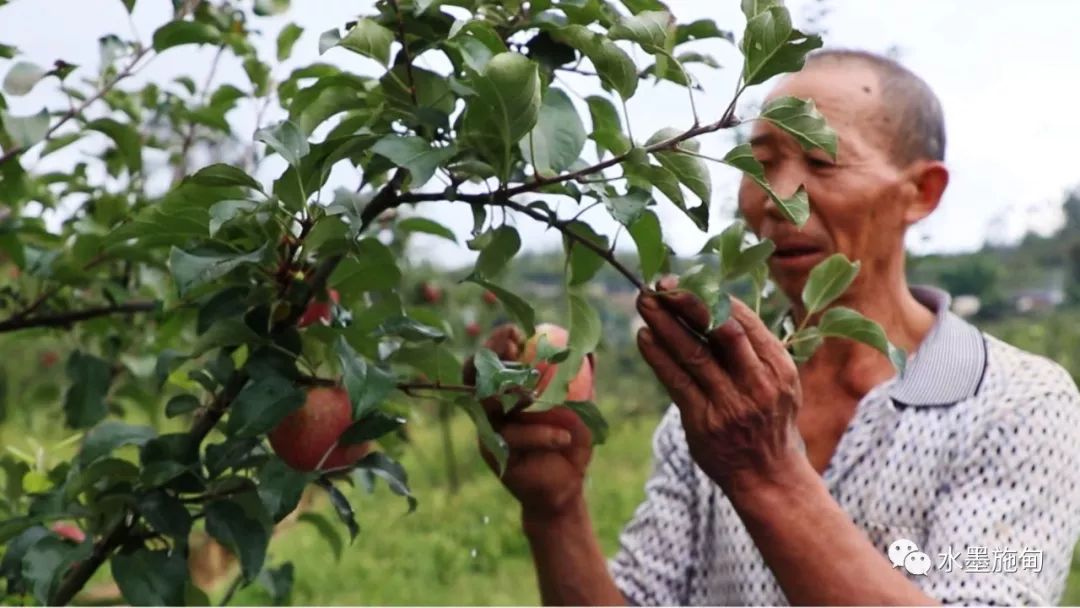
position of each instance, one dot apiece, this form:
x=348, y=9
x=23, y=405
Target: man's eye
x=819, y=163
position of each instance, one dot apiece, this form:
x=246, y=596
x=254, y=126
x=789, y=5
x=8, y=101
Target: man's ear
x=929, y=179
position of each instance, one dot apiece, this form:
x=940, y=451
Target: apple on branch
x=306, y=439
x=320, y=311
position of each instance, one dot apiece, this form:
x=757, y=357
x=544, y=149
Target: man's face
x=857, y=202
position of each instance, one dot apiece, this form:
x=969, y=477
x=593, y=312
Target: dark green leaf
x=591, y=416
x=493, y=376
x=616, y=69
x=281, y=487
x=46, y=562
x=392, y=472
x=408, y=328
x=165, y=513
x=223, y=175
x=176, y=33
x=690, y=170
x=517, y=306
x=262, y=404
x=503, y=245
x=244, y=535
x=372, y=268
x=17, y=539
x=286, y=139
x=225, y=211
x=804, y=342
x=226, y=332
x=325, y=530
x=370, y=39
x=584, y=262
x=372, y=426
x=107, y=436
x=647, y=28
x=828, y=281
x=802, y=120
x=504, y=110
x=700, y=29
x=368, y=385
x=438, y=363
x=492, y=441
x=704, y=283
x=342, y=506
x=230, y=453
x=650, y=244
x=556, y=141
x=628, y=208
x=772, y=46
x=751, y=257
x=22, y=77
x=191, y=271
x=843, y=322
x=415, y=154
x=607, y=128
x=278, y=582
x=286, y=39
x=113, y=470
x=425, y=225
x=125, y=137
x=796, y=208
x=84, y=402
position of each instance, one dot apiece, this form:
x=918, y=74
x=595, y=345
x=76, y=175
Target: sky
x=1004, y=71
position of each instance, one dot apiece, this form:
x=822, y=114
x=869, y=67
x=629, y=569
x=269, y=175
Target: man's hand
x=738, y=393
x=549, y=451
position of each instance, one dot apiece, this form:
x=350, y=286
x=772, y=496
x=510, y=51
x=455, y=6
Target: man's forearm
x=570, y=566
x=817, y=554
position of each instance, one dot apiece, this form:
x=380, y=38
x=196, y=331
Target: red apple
x=430, y=293
x=490, y=298
x=581, y=387
x=69, y=532
x=304, y=436
x=319, y=311
x=473, y=329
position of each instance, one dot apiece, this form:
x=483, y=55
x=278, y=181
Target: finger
x=686, y=349
x=667, y=282
x=768, y=347
x=506, y=341
x=742, y=362
x=682, y=389
x=535, y=436
x=561, y=417
x=687, y=306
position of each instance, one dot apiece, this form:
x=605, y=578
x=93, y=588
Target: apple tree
x=209, y=312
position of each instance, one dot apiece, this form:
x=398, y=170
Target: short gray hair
x=917, y=130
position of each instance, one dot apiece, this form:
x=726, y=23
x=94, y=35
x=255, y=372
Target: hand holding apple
x=305, y=436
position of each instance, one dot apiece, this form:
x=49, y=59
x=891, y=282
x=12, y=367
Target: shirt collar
x=949, y=364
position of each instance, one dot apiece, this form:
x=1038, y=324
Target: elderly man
x=837, y=482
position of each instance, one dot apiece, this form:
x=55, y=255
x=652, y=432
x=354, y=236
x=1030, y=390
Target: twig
x=67, y=318
x=76, y=579
x=189, y=138
x=405, y=52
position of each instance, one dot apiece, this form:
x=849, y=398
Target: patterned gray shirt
x=973, y=455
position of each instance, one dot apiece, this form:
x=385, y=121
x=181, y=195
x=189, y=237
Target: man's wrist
x=574, y=513
x=760, y=490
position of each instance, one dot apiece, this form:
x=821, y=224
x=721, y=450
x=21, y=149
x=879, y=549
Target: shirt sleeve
x=657, y=548
x=1008, y=516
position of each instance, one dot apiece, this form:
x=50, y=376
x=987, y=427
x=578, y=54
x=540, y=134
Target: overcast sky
x=1005, y=72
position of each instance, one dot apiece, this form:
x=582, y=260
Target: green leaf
x=229, y=454
x=101, y=440
x=165, y=513
x=493, y=376
x=286, y=39
x=504, y=243
x=262, y=404
x=585, y=328
x=650, y=244
x=328, y=40
x=843, y=322
x=804, y=343
x=341, y=506
x=704, y=283
x=372, y=268
x=796, y=208
x=628, y=208
x=129, y=5
x=607, y=128
x=125, y=137
x=751, y=257
x=46, y=562
x=221, y=174
x=616, y=69
x=176, y=33
x=504, y=110
x=701, y=29
x=231, y=331
x=113, y=469
x=518, y=307
x=415, y=154
x=286, y=139
x=368, y=385
x=191, y=271
x=408, y=328
x=772, y=46
x=690, y=170
x=281, y=487
x=390, y=471
x=224, y=211
x=372, y=426
x=7, y=51
x=84, y=402
x=828, y=281
x=584, y=262
x=25, y=131
x=244, y=535
x=556, y=141
x=278, y=583
x=439, y=364
x=753, y=8
x=434, y=99
x=802, y=120
x=427, y=226
x=325, y=530
x=591, y=416
x=369, y=39
x=22, y=77
x=647, y=28
x=492, y=441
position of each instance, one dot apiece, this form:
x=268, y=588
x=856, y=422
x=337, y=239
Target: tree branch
x=65, y=319
x=76, y=579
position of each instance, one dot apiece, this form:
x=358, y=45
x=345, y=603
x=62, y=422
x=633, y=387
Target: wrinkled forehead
x=847, y=94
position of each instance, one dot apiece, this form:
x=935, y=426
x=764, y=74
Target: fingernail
x=561, y=439
x=649, y=302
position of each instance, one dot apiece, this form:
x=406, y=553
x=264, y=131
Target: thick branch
x=65, y=319
x=81, y=573
x=77, y=110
